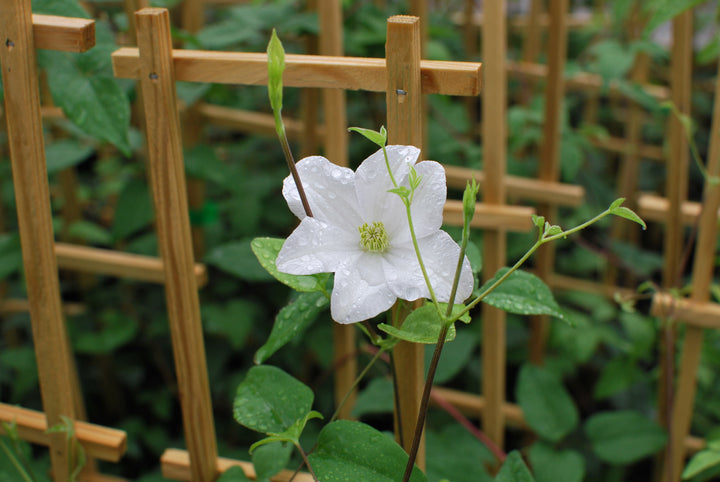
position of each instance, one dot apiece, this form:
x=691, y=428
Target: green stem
x=387, y=165
x=15, y=462
x=282, y=136
x=356, y=383
x=398, y=409
x=412, y=455
x=307, y=462
x=458, y=269
x=419, y=256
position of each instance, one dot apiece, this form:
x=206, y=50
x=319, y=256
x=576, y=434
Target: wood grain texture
x=349, y=73
x=652, y=207
x=702, y=276
x=25, y=137
x=490, y=216
x=106, y=262
x=174, y=238
x=175, y=466
x=63, y=33
x=99, y=442
x=404, y=125
x=494, y=134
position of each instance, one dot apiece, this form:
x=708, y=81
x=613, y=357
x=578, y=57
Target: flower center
x=373, y=237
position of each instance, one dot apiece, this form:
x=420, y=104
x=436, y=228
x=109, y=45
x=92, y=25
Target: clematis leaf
x=514, y=469
x=271, y=401
x=266, y=250
x=270, y=459
x=350, y=451
x=292, y=320
x=628, y=213
x=379, y=138
x=522, y=293
x=292, y=434
x=421, y=326
x=234, y=474
x=624, y=437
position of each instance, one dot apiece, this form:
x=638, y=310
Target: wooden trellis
x=56, y=370
x=158, y=77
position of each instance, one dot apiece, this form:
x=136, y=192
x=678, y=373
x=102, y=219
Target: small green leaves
x=469, y=199
x=627, y=213
x=271, y=401
x=352, y=451
x=292, y=434
x=266, y=250
x=703, y=460
x=379, y=138
x=522, y=293
x=547, y=406
x=624, y=437
x=514, y=469
x=276, y=66
x=421, y=326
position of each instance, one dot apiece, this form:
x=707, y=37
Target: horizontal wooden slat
x=529, y=189
x=581, y=80
x=176, y=465
x=573, y=21
x=569, y=283
x=622, y=146
x=10, y=306
x=490, y=216
x=99, y=442
x=248, y=121
x=114, y=263
x=652, y=207
x=694, y=313
x=350, y=73
x=63, y=33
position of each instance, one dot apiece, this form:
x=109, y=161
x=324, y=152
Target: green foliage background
x=591, y=405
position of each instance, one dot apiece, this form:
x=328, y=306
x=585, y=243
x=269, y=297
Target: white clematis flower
x=359, y=231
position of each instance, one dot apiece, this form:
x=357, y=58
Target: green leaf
x=270, y=459
x=624, y=437
x=514, y=469
x=550, y=465
x=66, y=153
x=454, y=358
x=233, y=474
x=700, y=462
x=522, y=293
x=376, y=397
x=233, y=320
x=350, y=451
x=133, y=211
x=237, y=259
x=457, y=455
x=276, y=66
x=538, y=221
x=90, y=232
x=117, y=330
x=11, y=260
x=92, y=101
x=379, y=138
x=548, y=408
x=266, y=250
x=611, y=59
x=662, y=11
x=292, y=434
x=291, y=322
x=421, y=326
x=628, y=213
x=271, y=401
x=618, y=375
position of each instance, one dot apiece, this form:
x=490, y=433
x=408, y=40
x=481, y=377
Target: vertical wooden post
x=531, y=46
x=310, y=97
x=157, y=79
x=404, y=118
x=676, y=180
x=24, y=125
x=336, y=149
x=702, y=275
x=494, y=134
x=550, y=154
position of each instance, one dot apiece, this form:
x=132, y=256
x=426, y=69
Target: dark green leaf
x=624, y=437
x=65, y=153
x=270, y=459
x=133, y=211
x=116, y=330
x=291, y=322
x=233, y=474
x=266, y=250
x=522, y=293
x=237, y=258
x=514, y=469
x=422, y=325
x=618, y=375
x=457, y=455
x=548, y=408
x=376, y=397
x=550, y=465
x=233, y=321
x=90, y=232
x=10, y=255
x=454, y=357
x=352, y=451
x=271, y=401
x=663, y=10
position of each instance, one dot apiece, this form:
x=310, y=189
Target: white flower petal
x=403, y=273
x=372, y=182
x=429, y=200
x=316, y=247
x=360, y=291
x=329, y=190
